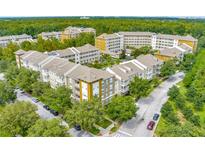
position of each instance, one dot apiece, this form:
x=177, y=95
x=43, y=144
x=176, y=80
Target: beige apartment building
x=85, y=82
x=5, y=40
x=144, y=66
x=73, y=32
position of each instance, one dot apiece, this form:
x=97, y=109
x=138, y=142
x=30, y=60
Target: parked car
x=156, y=117
x=46, y=107
x=55, y=113
x=34, y=100
x=77, y=127
x=150, y=125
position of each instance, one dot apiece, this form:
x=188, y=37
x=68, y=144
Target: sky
x=102, y=8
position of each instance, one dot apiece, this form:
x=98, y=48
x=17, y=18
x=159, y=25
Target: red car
x=150, y=125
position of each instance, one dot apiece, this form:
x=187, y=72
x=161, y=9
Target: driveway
x=137, y=126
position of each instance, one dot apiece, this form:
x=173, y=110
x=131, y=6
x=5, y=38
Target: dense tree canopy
x=86, y=114
x=168, y=68
x=34, y=26
x=7, y=93
x=121, y=108
x=16, y=119
x=48, y=128
x=139, y=87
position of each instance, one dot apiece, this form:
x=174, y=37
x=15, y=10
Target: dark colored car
x=46, y=107
x=77, y=127
x=150, y=125
x=55, y=113
x=156, y=117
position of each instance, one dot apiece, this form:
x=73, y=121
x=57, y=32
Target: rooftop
x=171, y=52
x=149, y=60
x=136, y=33
x=34, y=57
x=108, y=36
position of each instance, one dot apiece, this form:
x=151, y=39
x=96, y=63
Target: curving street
x=137, y=126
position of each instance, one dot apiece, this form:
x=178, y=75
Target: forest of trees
x=183, y=114
x=34, y=26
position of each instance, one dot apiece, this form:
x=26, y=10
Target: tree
x=121, y=108
x=168, y=68
x=11, y=75
x=168, y=114
x=136, y=52
x=122, y=54
x=7, y=93
x=39, y=88
x=139, y=87
x=25, y=78
x=58, y=99
x=173, y=92
x=3, y=65
x=16, y=119
x=185, y=130
x=188, y=62
x=86, y=114
x=48, y=128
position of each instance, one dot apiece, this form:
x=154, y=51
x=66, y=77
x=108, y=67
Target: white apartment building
x=49, y=35
x=136, y=39
x=145, y=66
x=79, y=55
x=109, y=43
x=5, y=40
x=156, y=41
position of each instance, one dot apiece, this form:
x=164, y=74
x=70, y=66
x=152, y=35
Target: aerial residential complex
x=88, y=82
x=144, y=66
x=110, y=43
x=63, y=67
x=73, y=32
x=5, y=40
x=85, y=82
x=83, y=54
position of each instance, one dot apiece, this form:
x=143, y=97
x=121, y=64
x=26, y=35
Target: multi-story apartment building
x=136, y=39
x=144, y=66
x=163, y=41
x=85, y=82
x=156, y=41
x=73, y=32
x=83, y=54
x=49, y=35
x=5, y=40
x=109, y=43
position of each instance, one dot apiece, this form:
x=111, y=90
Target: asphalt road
x=45, y=114
x=137, y=126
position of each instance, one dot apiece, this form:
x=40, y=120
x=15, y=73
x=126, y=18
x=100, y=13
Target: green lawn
x=94, y=131
x=104, y=123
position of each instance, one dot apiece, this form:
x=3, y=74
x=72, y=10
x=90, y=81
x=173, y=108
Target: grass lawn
x=114, y=129
x=94, y=131
x=160, y=127
x=104, y=123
